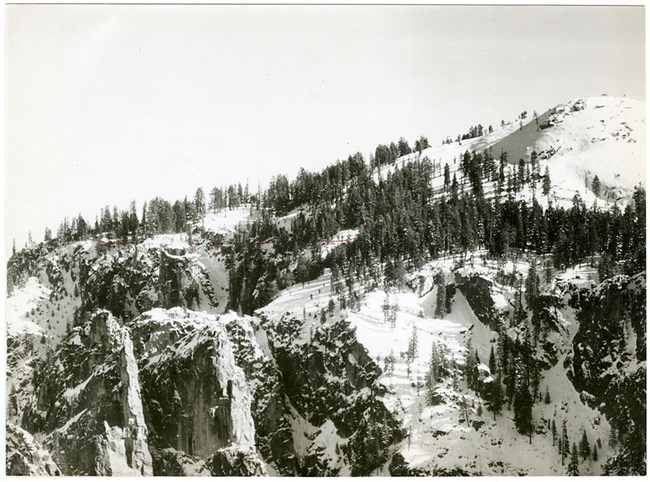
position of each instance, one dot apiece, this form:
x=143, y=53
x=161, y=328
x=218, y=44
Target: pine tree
x=547, y=397
x=595, y=186
x=496, y=395
x=554, y=432
x=573, y=467
x=432, y=372
x=470, y=365
x=392, y=314
x=521, y=172
x=454, y=187
x=532, y=284
x=492, y=363
x=523, y=407
x=564, y=442
x=441, y=297
x=584, y=446
x=412, y=350
x=199, y=203
x=133, y=219
x=403, y=147
x=454, y=375
x=594, y=454
x=546, y=182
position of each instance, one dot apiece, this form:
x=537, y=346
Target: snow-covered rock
x=88, y=402
x=25, y=456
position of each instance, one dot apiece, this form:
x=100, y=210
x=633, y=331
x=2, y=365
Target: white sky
x=110, y=103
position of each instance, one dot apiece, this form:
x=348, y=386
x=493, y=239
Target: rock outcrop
x=25, y=456
x=608, y=363
x=89, y=402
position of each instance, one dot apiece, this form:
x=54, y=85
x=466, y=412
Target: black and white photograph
x=300, y=240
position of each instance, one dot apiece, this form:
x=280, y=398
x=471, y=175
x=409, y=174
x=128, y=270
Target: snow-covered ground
x=227, y=221
x=605, y=138
x=175, y=241
x=447, y=435
x=342, y=237
x=596, y=136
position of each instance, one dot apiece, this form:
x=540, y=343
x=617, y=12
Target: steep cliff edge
x=196, y=398
x=608, y=364
x=88, y=403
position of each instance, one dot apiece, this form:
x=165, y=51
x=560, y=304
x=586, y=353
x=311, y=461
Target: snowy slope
x=263, y=378
x=596, y=136
x=441, y=439
x=603, y=136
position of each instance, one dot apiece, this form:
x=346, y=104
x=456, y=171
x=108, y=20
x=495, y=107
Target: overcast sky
x=105, y=104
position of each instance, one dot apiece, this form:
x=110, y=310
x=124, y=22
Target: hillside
x=596, y=136
x=381, y=318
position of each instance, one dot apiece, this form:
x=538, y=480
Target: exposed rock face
x=196, y=398
x=171, y=462
x=126, y=280
x=142, y=385
x=476, y=290
x=269, y=406
x=88, y=401
x=132, y=280
x=609, y=363
x=23, y=352
x=25, y=456
x=235, y=462
x=332, y=378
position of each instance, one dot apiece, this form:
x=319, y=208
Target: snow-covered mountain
x=579, y=139
x=136, y=359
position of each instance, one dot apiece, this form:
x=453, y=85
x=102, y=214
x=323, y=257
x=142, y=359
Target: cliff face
x=196, y=397
x=270, y=408
x=608, y=363
x=184, y=407
x=25, y=456
x=120, y=363
x=88, y=402
x=333, y=384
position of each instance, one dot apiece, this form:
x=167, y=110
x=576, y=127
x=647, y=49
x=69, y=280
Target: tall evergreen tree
x=436, y=364
x=532, y=284
x=441, y=296
x=546, y=182
x=496, y=396
x=574, y=464
x=523, y=407
x=403, y=147
x=199, y=203
x=492, y=364
x=595, y=186
x=412, y=350
x=564, y=442
x=585, y=450
x=471, y=365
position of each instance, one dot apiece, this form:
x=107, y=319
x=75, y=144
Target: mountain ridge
x=373, y=319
